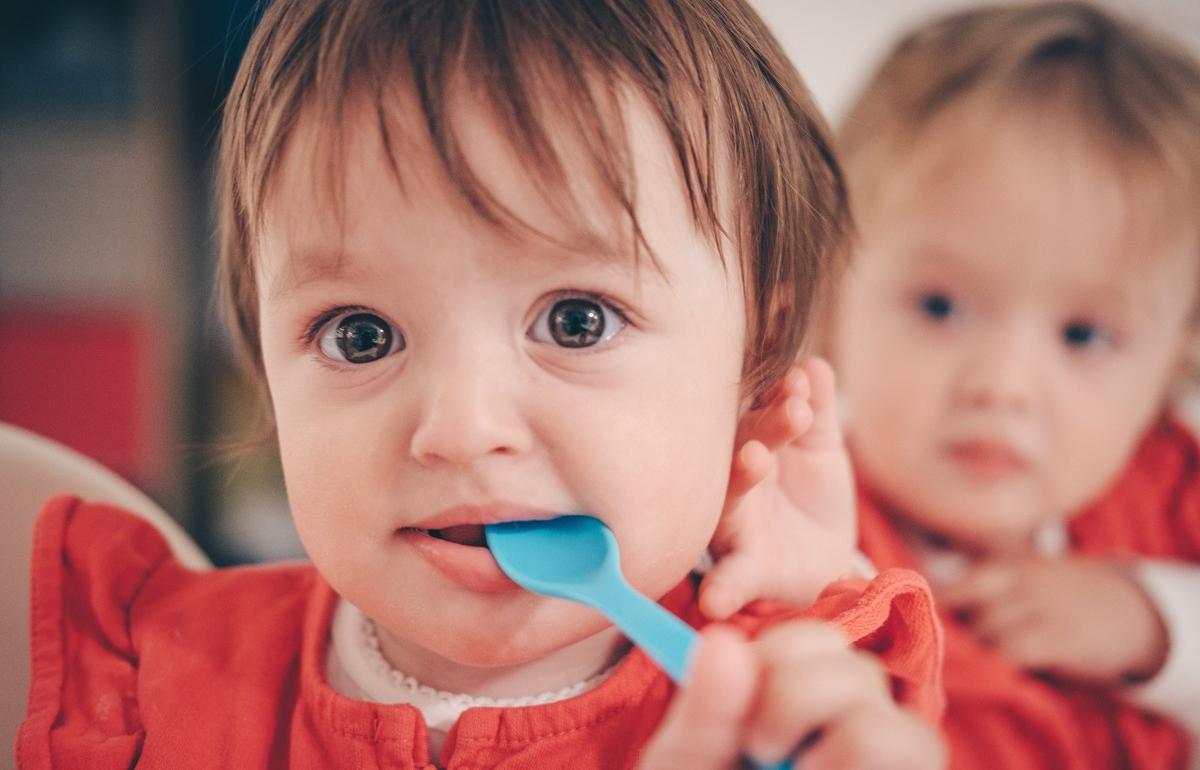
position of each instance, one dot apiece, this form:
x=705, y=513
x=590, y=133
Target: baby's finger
x=1029, y=646
x=785, y=417
x=877, y=739
x=987, y=584
x=825, y=429
x=822, y=382
x=752, y=463
x=800, y=640
x=704, y=722
x=808, y=681
x=794, y=382
x=733, y=581
x=783, y=423
x=998, y=620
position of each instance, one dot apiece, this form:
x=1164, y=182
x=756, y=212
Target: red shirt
x=139, y=661
x=1000, y=716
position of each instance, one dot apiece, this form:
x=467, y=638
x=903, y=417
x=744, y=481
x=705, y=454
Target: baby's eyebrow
x=307, y=265
x=1118, y=301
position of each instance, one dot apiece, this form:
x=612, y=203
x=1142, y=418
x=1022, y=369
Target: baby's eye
x=577, y=322
x=936, y=305
x=1083, y=334
x=359, y=338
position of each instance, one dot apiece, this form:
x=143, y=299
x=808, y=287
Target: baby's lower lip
x=988, y=459
x=452, y=552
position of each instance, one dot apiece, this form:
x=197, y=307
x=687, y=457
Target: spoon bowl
x=535, y=549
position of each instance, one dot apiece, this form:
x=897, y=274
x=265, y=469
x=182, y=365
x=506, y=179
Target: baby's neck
x=1043, y=540
x=561, y=668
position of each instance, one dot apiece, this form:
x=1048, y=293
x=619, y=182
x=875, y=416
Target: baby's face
x=1005, y=338
x=430, y=372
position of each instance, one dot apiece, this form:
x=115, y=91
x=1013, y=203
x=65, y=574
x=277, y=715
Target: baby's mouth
x=463, y=534
x=459, y=552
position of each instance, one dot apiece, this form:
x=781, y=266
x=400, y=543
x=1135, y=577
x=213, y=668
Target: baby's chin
x=500, y=640
x=979, y=524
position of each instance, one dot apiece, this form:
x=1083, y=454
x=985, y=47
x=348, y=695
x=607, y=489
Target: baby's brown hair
x=725, y=93
x=1131, y=93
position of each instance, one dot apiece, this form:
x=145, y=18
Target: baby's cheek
x=657, y=572
x=667, y=543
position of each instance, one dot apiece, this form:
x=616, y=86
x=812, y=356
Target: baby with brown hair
x=498, y=261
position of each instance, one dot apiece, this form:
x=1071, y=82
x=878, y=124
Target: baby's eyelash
x=314, y=327
x=622, y=312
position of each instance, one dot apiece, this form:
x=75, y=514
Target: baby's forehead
x=335, y=175
x=1018, y=158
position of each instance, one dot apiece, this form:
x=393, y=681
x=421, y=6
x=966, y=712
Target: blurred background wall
x=109, y=338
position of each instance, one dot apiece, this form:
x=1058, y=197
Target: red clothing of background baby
x=1000, y=716
x=138, y=661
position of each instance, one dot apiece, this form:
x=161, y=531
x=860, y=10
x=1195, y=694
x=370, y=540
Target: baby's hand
x=788, y=527
x=800, y=686
x=1080, y=619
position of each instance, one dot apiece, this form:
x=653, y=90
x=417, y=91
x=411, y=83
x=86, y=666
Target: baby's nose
x=470, y=411
x=1002, y=374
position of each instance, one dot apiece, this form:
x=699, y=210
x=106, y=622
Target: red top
x=997, y=714
x=139, y=661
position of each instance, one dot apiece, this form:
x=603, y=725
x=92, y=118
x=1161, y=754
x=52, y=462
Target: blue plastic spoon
x=577, y=558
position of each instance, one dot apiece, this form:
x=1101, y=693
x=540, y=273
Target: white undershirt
x=356, y=668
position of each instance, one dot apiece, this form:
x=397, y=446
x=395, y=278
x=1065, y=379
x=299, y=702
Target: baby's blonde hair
x=1135, y=94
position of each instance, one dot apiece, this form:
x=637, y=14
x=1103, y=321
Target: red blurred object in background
x=88, y=377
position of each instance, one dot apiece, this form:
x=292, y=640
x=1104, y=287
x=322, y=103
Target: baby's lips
x=463, y=534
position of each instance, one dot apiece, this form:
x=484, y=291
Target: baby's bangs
x=556, y=79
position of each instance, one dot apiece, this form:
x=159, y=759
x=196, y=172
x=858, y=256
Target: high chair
x=33, y=468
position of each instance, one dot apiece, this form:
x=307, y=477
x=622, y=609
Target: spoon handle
x=664, y=637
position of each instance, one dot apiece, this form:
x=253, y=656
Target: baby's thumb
x=703, y=726
x=729, y=585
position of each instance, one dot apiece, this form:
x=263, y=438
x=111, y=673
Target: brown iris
x=364, y=338
x=576, y=323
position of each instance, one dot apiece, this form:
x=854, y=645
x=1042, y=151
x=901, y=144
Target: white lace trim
x=378, y=680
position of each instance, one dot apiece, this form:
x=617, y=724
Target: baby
x=500, y=261
x=1023, y=305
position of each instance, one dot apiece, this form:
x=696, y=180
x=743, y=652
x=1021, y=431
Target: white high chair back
x=33, y=468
